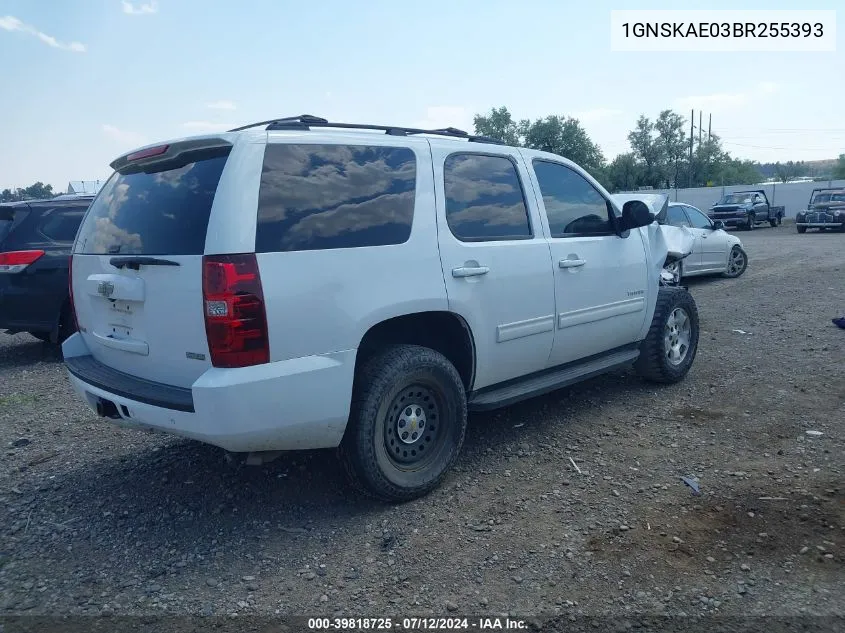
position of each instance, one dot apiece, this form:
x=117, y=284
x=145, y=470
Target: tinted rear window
x=335, y=196
x=61, y=223
x=162, y=212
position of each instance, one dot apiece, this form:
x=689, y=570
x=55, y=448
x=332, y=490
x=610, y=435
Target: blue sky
x=87, y=80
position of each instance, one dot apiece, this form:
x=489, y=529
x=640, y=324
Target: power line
x=791, y=149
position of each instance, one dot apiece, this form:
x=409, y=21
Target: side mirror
x=718, y=224
x=635, y=214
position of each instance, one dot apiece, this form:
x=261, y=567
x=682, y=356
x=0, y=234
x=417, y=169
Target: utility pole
x=709, y=126
x=700, y=114
x=691, y=119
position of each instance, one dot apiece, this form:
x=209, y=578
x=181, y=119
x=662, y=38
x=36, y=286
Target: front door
x=710, y=243
x=495, y=258
x=601, y=280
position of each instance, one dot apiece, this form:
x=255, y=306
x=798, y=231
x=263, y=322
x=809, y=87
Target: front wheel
x=737, y=262
x=668, y=350
x=407, y=423
x=801, y=229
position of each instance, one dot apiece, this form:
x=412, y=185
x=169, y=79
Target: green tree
x=497, y=124
x=647, y=151
x=566, y=137
x=38, y=190
x=7, y=196
x=789, y=170
x=624, y=173
x=672, y=144
x=839, y=169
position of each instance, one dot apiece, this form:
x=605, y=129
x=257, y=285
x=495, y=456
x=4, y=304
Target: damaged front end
x=667, y=244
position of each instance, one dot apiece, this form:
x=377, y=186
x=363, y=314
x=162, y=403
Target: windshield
x=824, y=198
x=736, y=198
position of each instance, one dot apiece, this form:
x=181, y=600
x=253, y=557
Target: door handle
x=470, y=271
x=571, y=263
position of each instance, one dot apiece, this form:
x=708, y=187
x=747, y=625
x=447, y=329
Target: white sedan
x=714, y=250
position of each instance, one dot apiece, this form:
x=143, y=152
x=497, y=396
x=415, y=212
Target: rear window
x=315, y=197
x=154, y=212
x=61, y=224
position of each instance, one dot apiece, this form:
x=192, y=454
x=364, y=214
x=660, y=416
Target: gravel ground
x=96, y=519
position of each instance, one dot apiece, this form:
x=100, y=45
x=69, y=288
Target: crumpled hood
x=666, y=243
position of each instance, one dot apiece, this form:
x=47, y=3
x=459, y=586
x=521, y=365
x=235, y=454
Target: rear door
x=496, y=259
x=137, y=264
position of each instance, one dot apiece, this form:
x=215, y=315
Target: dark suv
x=36, y=237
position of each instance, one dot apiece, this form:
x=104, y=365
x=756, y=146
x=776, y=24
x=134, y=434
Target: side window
x=698, y=219
x=62, y=223
x=676, y=216
x=484, y=198
x=315, y=197
x=573, y=206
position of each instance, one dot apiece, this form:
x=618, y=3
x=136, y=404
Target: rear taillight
x=235, y=320
x=17, y=261
x=70, y=290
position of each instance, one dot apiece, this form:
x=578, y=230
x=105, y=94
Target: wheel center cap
x=410, y=424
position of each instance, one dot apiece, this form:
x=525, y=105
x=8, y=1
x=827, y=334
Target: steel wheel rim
x=412, y=428
x=736, y=262
x=677, y=336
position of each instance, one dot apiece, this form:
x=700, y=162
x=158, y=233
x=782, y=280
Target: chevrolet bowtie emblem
x=105, y=288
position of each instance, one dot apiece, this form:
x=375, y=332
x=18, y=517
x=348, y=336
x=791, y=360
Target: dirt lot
x=95, y=519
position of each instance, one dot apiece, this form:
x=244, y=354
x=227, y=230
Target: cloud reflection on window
x=335, y=196
x=484, y=199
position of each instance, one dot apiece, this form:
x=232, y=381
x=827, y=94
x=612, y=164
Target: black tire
x=379, y=462
x=654, y=363
x=773, y=222
x=801, y=229
x=736, y=266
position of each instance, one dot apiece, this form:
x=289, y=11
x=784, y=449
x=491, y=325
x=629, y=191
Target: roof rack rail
x=308, y=121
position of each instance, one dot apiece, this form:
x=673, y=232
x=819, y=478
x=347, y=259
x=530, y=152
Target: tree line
x=35, y=191
x=659, y=156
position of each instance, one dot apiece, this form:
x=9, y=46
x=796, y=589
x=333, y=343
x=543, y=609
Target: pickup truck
x=826, y=210
x=746, y=209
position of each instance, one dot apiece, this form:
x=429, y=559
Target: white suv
x=299, y=284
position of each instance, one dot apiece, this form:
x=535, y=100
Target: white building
x=84, y=186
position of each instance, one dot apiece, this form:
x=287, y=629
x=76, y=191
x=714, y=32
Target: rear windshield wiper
x=135, y=262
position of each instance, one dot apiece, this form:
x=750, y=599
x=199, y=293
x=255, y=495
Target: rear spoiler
x=175, y=151
x=658, y=203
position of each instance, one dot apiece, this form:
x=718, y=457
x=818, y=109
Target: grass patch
x=19, y=398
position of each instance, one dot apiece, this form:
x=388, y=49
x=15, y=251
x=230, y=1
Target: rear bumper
x=302, y=403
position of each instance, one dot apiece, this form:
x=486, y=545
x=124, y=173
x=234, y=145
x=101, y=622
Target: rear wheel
x=667, y=353
x=801, y=229
x=737, y=262
x=407, y=423
x=773, y=222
